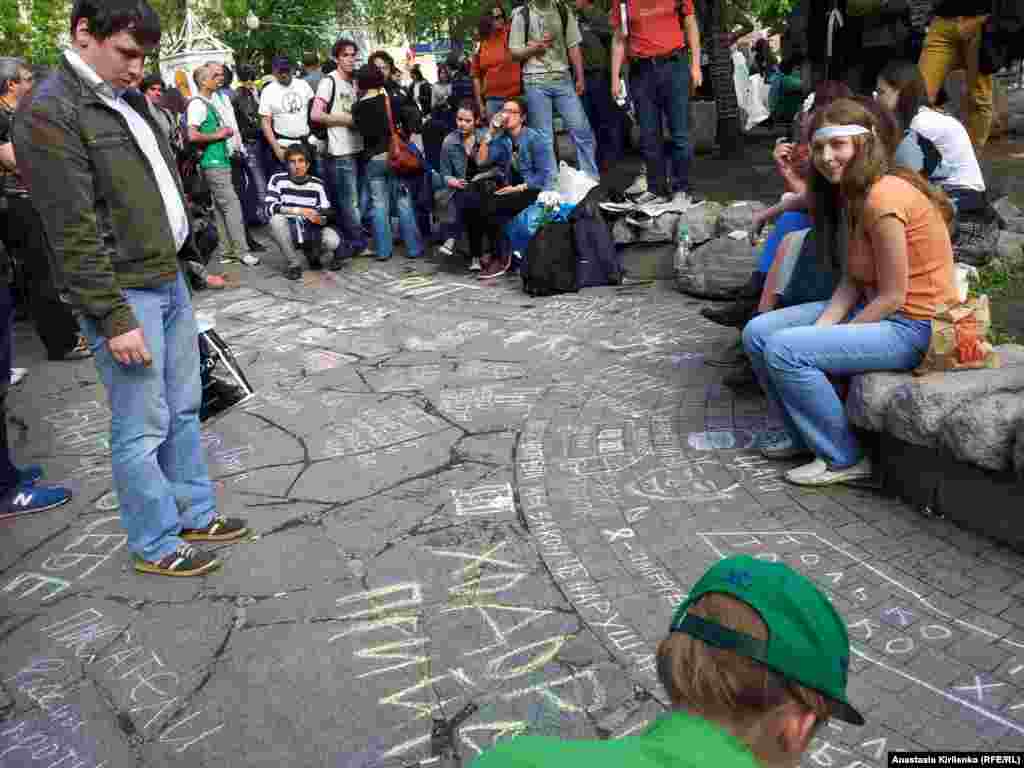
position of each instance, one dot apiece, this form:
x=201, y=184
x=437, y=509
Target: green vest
x=676, y=740
x=216, y=154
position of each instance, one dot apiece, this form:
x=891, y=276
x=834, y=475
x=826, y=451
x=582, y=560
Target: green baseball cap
x=807, y=640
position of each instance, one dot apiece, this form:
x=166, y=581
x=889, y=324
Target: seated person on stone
x=299, y=211
x=898, y=271
x=790, y=214
x=458, y=167
x=934, y=143
x=754, y=664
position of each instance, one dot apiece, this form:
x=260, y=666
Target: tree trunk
x=730, y=138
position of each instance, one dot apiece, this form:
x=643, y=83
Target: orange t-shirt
x=493, y=64
x=929, y=249
x=654, y=28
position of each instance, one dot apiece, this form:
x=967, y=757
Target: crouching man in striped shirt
x=299, y=211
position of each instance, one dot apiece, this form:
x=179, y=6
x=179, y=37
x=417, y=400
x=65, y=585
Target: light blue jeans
x=560, y=94
x=160, y=472
x=387, y=189
x=791, y=358
x=344, y=173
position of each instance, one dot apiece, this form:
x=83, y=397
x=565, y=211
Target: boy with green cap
x=755, y=662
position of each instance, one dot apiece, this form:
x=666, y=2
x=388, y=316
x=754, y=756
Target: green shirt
x=677, y=740
x=215, y=154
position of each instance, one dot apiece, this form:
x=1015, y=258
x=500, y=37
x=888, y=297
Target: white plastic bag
x=573, y=185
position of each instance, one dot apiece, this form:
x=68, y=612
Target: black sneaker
x=293, y=273
x=220, y=529
x=186, y=560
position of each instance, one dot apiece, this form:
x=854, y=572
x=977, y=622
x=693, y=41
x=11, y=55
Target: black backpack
x=319, y=129
x=597, y=260
x=550, y=261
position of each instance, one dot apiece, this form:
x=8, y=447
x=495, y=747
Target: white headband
x=837, y=131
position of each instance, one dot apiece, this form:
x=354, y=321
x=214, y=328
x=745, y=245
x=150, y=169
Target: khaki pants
x=953, y=43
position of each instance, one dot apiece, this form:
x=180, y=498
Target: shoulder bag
x=402, y=160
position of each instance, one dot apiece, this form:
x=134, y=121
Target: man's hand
x=130, y=348
x=696, y=75
x=457, y=183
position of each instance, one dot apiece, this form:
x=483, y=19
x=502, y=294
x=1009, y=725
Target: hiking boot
x=734, y=315
x=186, y=560
x=26, y=498
x=448, y=247
x=293, y=272
x=220, y=529
x=249, y=260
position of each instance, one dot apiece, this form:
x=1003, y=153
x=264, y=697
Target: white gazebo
x=194, y=45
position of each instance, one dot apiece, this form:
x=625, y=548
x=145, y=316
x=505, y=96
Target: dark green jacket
x=97, y=196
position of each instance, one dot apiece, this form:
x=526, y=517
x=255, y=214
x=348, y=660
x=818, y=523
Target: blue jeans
x=560, y=94
x=344, y=174
x=791, y=358
x=657, y=88
x=788, y=222
x=160, y=472
x=385, y=189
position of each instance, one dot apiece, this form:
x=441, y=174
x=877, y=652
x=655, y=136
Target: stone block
x=1010, y=248
x=916, y=413
x=984, y=432
x=1006, y=211
x=717, y=269
x=869, y=397
x=738, y=215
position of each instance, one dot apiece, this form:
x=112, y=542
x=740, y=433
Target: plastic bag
x=526, y=223
x=960, y=339
x=573, y=185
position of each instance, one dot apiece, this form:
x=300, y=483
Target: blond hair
x=728, y=688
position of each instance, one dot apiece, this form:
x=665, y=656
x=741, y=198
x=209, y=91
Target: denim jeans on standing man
x=791, y=356
x=662, y=87
x=385, y=189
x=160, y=472
x=541, y=96
x=344, y=175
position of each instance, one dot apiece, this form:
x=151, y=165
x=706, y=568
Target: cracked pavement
x=463, y=500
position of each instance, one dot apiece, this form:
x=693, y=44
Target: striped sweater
x=283, y=191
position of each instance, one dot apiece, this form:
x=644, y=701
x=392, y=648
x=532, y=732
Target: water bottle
x=682, y=244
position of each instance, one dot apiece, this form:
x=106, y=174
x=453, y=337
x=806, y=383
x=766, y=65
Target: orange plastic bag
x=960, y=339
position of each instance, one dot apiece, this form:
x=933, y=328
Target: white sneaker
x=474, y=265
x=250, y=261
x=817, y=473
x=448, y=247
x=17, y=374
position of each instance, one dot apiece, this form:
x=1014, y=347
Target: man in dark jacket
x=104, y=181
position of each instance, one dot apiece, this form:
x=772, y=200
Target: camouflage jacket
x=97, y=196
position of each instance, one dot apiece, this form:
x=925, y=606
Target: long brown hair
x=832, y=203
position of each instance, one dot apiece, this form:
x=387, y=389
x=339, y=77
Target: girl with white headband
x=897, y=272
